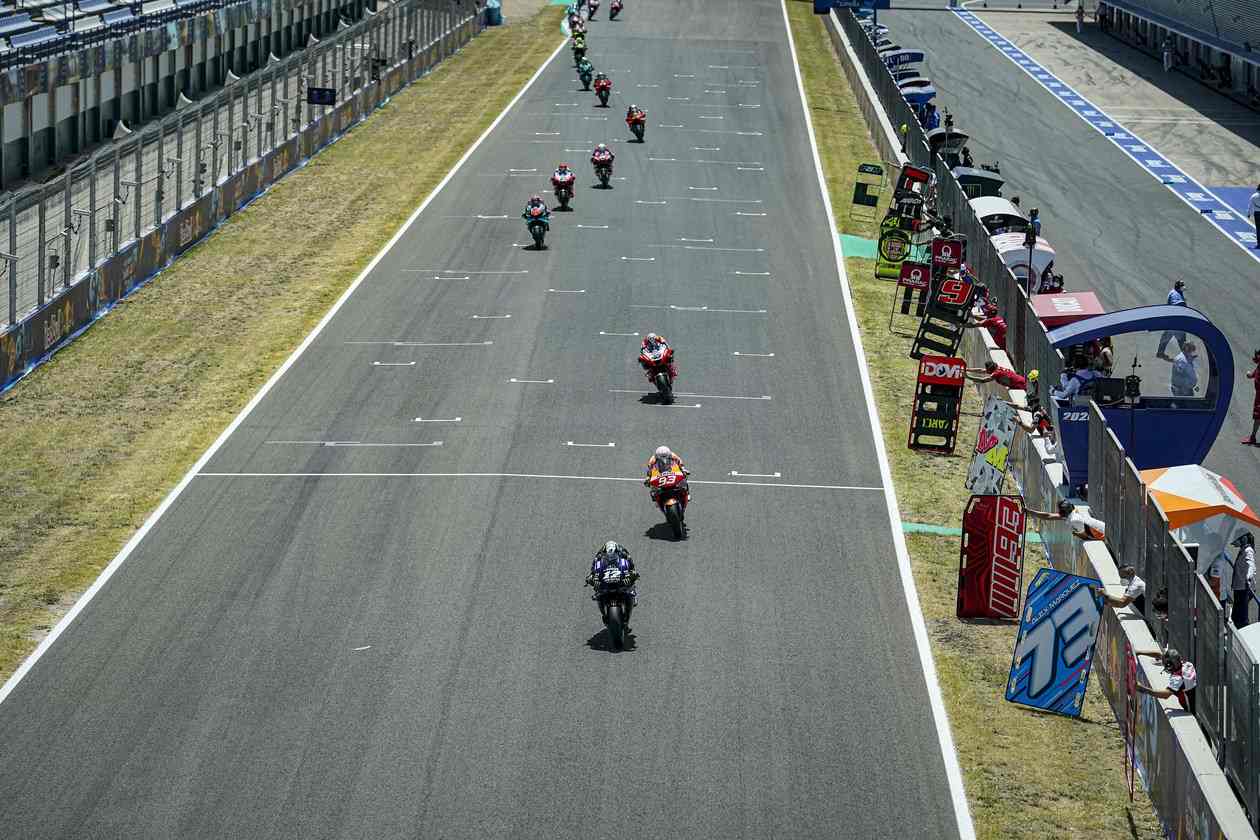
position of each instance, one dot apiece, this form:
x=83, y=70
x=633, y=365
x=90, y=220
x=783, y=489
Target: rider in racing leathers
x=652, y=343
x=611, y=554
x=602, y=156
x=536, y=201
x=663, y=459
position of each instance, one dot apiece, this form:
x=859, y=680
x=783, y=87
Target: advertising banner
x=949, y=253
x=991, y=558
x=937, y=400
x=1055, y=648
x=941, y=329
x=914, y=282
x=894, y=247
x=993, y=448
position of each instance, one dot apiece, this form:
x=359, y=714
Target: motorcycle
x=564, y=190
x=658, y=365
x=670, y=491
x=586, y=77
x=603, y=171
x=591, y=8
x=603, y=89
x=614, y=9
x=579, y=52
x=638, y=124
x=536, y=221
x=612, y=595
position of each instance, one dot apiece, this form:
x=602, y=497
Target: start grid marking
x=1220, y=214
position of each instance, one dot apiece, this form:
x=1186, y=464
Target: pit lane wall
x=32, y=340
x=1175, y=763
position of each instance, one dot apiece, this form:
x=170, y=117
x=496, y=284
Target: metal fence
x=1209, y=661
x=1241, y=701
x=60, y=231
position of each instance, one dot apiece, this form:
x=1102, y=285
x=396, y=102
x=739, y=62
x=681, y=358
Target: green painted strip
x=946, y=531
x=860, y=247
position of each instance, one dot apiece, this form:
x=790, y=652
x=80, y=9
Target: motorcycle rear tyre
x=539, y=235
x=603, y=98
x=616, y=625
x=673, y=514
x=637, y=128
x=604, y=176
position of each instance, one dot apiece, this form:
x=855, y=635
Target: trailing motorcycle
x=658, y=365
x=564, y=189
x=671, y=494
x=603, y=171
x=585, y=76
x=614, y=9
x=592, y=6
x=536, y=222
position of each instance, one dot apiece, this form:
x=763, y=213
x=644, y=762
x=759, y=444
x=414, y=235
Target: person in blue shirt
x=1176, y=297
x=1184, y=380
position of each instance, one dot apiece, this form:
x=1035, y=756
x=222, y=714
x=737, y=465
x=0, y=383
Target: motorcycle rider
x=634, y=113
x=610, y=554
x=602, y=156
x=663, y=460
x=562, y=175
x=536, y=201
x=601, y=81
x=653, y=343
x=579, y=41
x=585, y=67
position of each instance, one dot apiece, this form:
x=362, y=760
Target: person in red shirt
x=995, y=324
x=993, y=372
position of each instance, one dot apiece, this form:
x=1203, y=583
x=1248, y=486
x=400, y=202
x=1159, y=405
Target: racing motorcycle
x=585, y=76
x=638, y=124
x=603, y=89
x=670, y=491
x=658, y=365
x=614, y=9
x=592, y=6
x=603, y=171
x=614, y=597
x=564, y=189
x=536, y=222
x=579, y=50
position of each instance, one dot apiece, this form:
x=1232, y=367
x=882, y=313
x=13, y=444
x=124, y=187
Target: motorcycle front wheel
x=664, y=388
x=673, y=514
x=616, y=625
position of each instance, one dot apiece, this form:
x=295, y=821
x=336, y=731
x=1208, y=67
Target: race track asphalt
x=1116, y=230
x=317, y=641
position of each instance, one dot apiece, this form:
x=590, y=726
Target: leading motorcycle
x=564, y=189
x=603, y=89
x=614, y=9
x=614, y=596
x=637, y=121
x=536, y=222
x=671, y=494
x=603, y=171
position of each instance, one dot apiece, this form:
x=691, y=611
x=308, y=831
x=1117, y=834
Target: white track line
x=945, y=740
x=634, y=479
x=448, y=420
x=609, y=445
x=345, y=443
x=686, y=394
x=404, y=343
x=756, y=475
x=393, y=364
x=532, y=381
x=753, y=355
x=120, y=558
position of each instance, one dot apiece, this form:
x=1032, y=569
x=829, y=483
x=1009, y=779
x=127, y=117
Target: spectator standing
x=1176, y=297
x=1184, y=380
x=1074, y=381
x=993, y=372
x=1182, y=679
x=1253, y=207
x=1167, y=51
x=1034, y=219
x=1134, y=590
x=1254, y=376
x=1243, y=578
x=1080, y=17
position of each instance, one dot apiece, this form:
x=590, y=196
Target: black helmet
x=1172, y=660
x=1244, y=539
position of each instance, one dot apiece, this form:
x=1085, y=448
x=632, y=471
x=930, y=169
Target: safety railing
x=78, y=242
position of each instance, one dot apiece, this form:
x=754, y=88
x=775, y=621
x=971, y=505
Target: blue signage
x=1054, y=651
x=862, y=4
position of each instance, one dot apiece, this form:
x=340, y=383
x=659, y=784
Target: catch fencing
x=75, y=245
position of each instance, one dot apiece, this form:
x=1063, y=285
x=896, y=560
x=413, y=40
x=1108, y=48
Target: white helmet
x=652, y=338
x=664, y=453
x=601, y=148
x=611, y=547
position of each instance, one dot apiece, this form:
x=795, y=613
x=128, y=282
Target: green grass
x=1027, y=774
x=97, y=436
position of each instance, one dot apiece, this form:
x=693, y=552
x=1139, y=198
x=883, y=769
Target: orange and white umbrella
x=1189, y=493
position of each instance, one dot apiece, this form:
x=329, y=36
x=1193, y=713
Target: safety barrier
x=114, y=221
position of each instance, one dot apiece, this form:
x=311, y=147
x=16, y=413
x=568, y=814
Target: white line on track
x=945, y=741
x=464, y=271
x=482, y=216
x=593, y=227
x=347, y=443
x=651, y=202
x=678, y=99
x=393, y=364
x=522, y=170
x=663, y=125
x=752, y=273
x=625, y=335
x=671, y=160
x=703, y=188
x=750, y=168
x=532, y=381
x=359, y=649
x=648, y=86
x=684, y=75
x=546, y=134
x=577, y=150
x=609, y=445
x=710, y=248
x=742, y=213
x=639, y=259
x=712, y=117
x=723, y=200
x=436, y=420
x=403, y=343
x=488, y=317
x=762, y=398
x=685, y=239
x=756, y=475
x=627, y=479
x=568, y=291
x=746, y=105
x=754, y=355
x=713, y=90
x=566, y=104
x=706, y=148
x=727, y=131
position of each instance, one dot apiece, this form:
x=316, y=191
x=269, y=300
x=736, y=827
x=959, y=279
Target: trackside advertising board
x=991, y=558
x=1055, y=649
x=993, y=447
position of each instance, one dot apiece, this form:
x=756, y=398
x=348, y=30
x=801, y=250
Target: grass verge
x=97, y=436
x=1027, y=774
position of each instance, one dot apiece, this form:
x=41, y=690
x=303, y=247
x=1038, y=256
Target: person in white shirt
x=1253, y=209
x=1134, y=590
x=1084, y=526
x=1182, y=678
x=1243, y=578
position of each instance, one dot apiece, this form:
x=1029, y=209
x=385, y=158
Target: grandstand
x=72, y=70
x=1217, y=41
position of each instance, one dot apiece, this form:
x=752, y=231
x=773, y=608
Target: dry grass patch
x=1028, y=775
x=96, y=437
